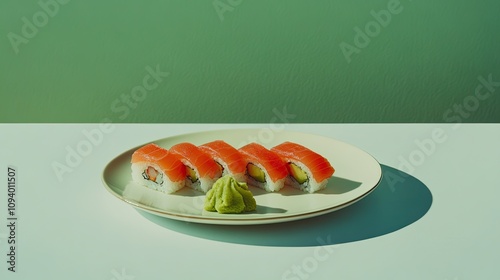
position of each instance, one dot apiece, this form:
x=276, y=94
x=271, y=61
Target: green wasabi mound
x=227, y=196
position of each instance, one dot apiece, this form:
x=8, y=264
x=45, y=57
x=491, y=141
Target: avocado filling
x=152, y=174
x=297, y=173
x=191, y=174
x=256, y=173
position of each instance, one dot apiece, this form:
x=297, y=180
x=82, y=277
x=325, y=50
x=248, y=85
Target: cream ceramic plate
x=356, y=174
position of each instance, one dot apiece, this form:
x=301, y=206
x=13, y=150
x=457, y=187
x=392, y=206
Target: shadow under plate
x=398, y=201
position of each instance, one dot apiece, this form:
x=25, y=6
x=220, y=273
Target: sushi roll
x=264, y=168
x=201, y=170
x=229, y=159
x=157, y=169
x=308, y=170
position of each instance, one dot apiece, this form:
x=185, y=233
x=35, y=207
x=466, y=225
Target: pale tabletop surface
x=435, y=214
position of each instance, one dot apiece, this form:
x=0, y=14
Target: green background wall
x=242, y=60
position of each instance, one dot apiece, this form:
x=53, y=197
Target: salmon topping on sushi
x=292, y=153
x=166, y=161
x=220, y=150
x=256, y=153
x=309, y=171
x=204, y=164
x=157, y=169
x=201, y=169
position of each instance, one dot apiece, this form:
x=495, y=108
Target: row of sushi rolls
x=201, y=167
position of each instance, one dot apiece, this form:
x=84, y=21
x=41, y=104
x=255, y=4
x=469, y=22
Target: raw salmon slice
x=274, y=165
x=168, y=162
x=219, y=149
x=201, y=161
x=317, y=164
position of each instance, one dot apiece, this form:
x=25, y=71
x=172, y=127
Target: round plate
x=356, y=174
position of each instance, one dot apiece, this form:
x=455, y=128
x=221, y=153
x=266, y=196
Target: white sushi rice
x=162, y=183
x=240, y=177
x=310, y=185
x=269, y=185
x=202, y=184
